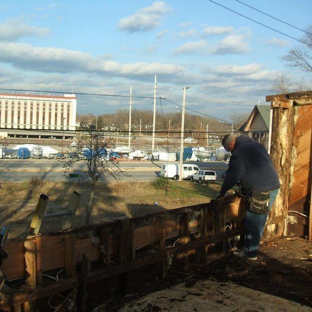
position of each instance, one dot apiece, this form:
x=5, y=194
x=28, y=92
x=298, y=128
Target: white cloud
x=232, y=44
x=187, y=24
x=138, y=69
x=238, y=74
x=192, y=47
x=262, y=75
x=162, y=33
x=278, y=42
x=16, y=29
x=146, y=18
x=48, y=7
x=217, y=30
x=238, y=70
x=189, y=33
x=54, y=60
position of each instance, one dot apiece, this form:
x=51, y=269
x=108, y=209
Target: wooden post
x=38, y=216
x=162, y=246
x=70, y=265
x=70, y=260
x=123, y=241
x=72, y=208
x=31, y=263
x=184, y=224
x=310, y=217
x=123, y=246
x=104, y=247
x=202, y=252
x=82, y=290
x=31, y=270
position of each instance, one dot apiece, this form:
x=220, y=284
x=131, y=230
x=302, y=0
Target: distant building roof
x=264, y=111
x=259, y=119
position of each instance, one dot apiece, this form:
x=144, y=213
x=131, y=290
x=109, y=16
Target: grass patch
x=111, y=201
x=162, y=189
x=161, y=183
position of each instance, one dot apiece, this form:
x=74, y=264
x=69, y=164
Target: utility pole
x=154, y=115
x=207, y=137
x=130, y=110
x=169, y=128
x=182, y=135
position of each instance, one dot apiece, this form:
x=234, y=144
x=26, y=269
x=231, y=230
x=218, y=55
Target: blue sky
x=98, y=48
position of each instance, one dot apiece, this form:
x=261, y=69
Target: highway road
x=18, y=170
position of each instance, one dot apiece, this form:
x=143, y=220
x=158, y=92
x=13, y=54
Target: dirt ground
x=280, y=280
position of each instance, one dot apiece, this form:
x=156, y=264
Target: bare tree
x=238, y=119
x=281, y=84
x=301, y=57
x=92, y=148
x=169, y=123
x=300, y=85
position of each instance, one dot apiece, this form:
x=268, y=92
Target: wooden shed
x=291, y=132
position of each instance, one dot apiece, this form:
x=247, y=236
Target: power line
x=257, y=22
x=274, y=17
x=200, y=113
x=80, y=93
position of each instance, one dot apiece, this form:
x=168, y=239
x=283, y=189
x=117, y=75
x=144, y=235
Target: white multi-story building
x=37, y=112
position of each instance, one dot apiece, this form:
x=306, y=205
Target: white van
x=172, y=171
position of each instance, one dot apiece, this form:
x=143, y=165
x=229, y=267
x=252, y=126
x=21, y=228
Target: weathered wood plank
x=69, y=253
x=303, y=120
x=15, y=266
x=301, y=160
x=298, y=191
x=86, y=247
x=310, y=215
x=305, y=96
x=303, y=141
x=281, y=154
x=281, y=104
x=31, y=264
x=301, y=175
x=146, y=235
x=38, y=215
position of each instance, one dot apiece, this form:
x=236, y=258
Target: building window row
x=37, y=114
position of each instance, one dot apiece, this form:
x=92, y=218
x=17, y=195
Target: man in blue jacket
x=250, y=166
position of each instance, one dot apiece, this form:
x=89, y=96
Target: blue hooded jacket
x=251, y=166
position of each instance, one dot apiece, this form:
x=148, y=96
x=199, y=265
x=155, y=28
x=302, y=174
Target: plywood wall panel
x=304, y=116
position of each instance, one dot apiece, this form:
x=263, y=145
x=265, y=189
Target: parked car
x=73, y=155
x=172, y=171
x=52, y=156
x=204, y=176
x=60, y=156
